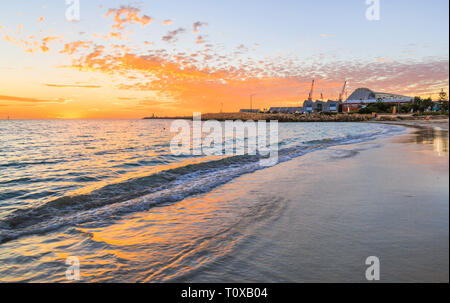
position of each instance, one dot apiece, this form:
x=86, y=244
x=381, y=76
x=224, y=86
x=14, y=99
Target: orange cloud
x=31, y=100
x=72, y=85
x=180, y=81
x=185, y=83
x=127, y=14
x=184, y=87
x=32, y=44
x=73, y=47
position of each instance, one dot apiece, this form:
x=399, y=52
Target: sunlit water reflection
x=112, y=194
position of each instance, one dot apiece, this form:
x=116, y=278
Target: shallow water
x=110, y=193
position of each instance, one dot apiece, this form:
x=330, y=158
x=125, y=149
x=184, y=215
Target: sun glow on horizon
x=135, y=64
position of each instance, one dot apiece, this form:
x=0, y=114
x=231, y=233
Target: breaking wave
x=139, y=194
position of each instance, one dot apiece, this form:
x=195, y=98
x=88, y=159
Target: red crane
x=341, y=95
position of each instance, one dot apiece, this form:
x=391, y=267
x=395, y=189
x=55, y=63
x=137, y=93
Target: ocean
x=111, y=193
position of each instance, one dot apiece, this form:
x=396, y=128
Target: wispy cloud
x=32, y=100
x=200, y=40
x=72, y=85
x=196, y=26
x=32, y=44
x=73, y=47
x=172, y=35
x=20, y=99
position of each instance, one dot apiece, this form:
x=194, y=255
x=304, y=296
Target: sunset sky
x=132, y=59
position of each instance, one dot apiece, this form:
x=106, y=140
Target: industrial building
x=309, y=106
x=367, y=94
x=363, y=96
x=318, y=106
x=358, y=99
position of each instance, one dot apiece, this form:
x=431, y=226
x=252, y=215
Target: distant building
x=321, y=106
x=367, y=94
x=363, y=96
x=308, y=106
x=436, y=106
x=333, y=106
x=249, y=110
x=286, y=110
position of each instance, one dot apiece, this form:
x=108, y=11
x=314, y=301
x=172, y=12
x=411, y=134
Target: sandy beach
x=314, y=217
x=388, y=198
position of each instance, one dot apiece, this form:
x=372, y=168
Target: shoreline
x=316, y=117
x=282, y=118
x=314, y=218
x=397, y=211
x=436, y=124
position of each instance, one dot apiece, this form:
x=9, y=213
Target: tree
x=421, y=105
x=427, y=104
x=443, y=101
x=405, y=108
x=377, y=107
x=416, y=104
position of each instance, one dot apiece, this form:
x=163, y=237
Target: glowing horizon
x=167, y=58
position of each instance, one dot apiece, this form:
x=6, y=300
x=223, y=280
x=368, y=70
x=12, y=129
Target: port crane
x=341, y=95
x=310, y=97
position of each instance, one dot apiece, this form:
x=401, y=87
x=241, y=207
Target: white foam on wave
x=188, y=184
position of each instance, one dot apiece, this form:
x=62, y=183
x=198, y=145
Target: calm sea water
x=67, y=186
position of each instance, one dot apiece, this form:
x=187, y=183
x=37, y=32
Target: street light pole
x=251, y=101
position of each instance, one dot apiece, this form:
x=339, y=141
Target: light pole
x=251, y=101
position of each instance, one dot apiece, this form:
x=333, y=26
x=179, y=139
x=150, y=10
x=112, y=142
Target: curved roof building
x=368, y=94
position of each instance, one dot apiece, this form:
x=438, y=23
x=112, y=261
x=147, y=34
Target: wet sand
x=387, y=198
x=312, y=219
x=437, y=124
